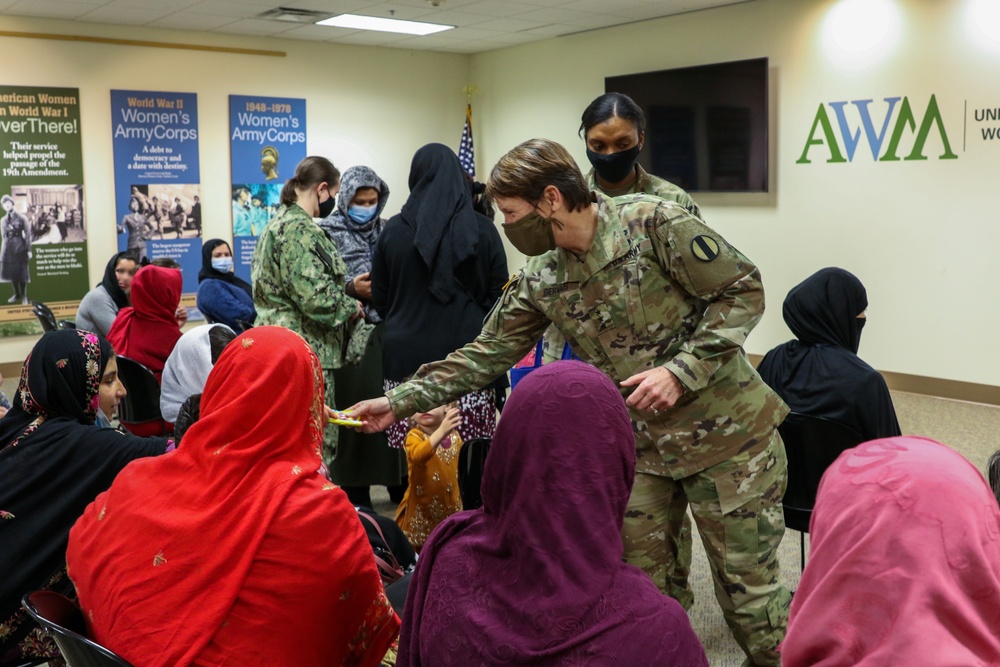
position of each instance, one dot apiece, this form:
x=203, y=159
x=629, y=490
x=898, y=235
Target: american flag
x=466, y=151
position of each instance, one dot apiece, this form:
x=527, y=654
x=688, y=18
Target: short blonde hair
x=526, y=170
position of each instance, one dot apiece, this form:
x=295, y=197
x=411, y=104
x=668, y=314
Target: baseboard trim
x=955, y=390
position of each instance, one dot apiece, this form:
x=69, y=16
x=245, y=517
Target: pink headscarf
x=904, y=566
x=536, y=576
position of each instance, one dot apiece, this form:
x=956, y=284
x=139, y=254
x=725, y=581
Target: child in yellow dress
x=432, y=496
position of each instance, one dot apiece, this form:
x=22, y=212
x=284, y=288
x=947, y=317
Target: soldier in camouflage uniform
x=298, y=275
x=653, y=297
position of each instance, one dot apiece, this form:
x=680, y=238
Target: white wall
x=364, y=105
x=922, y=235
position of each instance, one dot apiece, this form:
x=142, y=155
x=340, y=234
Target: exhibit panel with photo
x=157, y=177
x=268, y=139
x=43, y=237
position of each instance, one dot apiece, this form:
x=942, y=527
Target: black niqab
x=820, y=374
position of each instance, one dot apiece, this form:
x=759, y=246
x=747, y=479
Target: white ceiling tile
x=165, y=5
x=185, y=21
x=237, y=10
x=499, y=9
x=124, y=15
x=256, y=27
x=482, y=25
x=56, y=9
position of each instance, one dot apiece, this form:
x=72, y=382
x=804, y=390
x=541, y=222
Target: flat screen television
x=706, y=126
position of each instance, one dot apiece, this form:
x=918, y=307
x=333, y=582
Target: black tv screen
x=706, y=126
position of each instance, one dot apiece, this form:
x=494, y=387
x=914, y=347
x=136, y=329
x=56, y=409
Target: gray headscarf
x=356, y=242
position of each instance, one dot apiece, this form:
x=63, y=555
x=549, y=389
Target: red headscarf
x=235, y=544
x=147, y=331
x=904, y=565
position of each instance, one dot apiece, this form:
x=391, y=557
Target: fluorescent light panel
x=359, y=22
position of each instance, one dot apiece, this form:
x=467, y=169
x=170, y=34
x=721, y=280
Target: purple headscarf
x=535, y=576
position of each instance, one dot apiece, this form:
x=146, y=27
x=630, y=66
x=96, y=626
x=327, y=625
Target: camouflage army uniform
x=650, y=185
x=660, y=288
x=298, y=283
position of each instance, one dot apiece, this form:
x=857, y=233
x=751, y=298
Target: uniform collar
x=610, y=242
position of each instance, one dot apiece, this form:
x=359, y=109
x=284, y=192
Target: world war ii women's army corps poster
x=43, y=249
x=268, y=137
x=157, y=177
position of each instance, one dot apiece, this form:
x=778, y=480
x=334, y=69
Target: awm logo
x=822, y=132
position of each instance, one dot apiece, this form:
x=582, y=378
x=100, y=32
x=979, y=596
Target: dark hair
x=166, y=263
x=481, y=203
x=311, y=171
x=526, y=170
x=993, y=473
x=611, y=105
x=219, y=337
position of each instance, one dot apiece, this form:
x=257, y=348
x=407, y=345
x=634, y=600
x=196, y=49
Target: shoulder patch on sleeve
x=704, y=247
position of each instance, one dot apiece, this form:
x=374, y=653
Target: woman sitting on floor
x=821, y=374
x=904, y=562
x=512, y=583
x=54, y=459
x=235, y=549
x=148, y=330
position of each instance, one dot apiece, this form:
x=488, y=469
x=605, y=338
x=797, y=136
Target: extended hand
x=658, y=389
x=181, y=315
x=376, y=413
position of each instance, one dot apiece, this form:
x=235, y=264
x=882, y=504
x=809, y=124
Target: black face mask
x=615, y=167
x=326, y=207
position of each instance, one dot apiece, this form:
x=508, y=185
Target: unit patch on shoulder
x=704, y=248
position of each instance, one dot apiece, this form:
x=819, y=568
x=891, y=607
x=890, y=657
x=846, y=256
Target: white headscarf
x=186, y=370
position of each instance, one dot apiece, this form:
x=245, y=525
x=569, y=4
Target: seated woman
x=514, y=583
x=54, y=460
x=235, y=549
x=904, y=562
x=187, y=367
x=222, y=297
x=820, y=374
x=99, y=307
x=147, y=330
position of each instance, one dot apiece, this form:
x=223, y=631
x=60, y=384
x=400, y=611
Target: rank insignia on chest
x=704, y=248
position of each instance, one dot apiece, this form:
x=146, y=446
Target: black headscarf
x=820, y=374
x=824, y=308
x=110, y=279
x=53, y=462
x=208, y=272
x=439, y=209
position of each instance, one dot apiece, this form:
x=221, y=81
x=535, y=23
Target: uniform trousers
x=736, y=505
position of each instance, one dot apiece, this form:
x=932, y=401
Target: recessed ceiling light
x=359, y=22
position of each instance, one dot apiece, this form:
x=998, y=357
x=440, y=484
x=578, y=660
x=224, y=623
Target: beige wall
x=922, y=236
x=364, y=105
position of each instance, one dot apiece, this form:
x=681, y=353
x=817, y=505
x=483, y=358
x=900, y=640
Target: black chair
x=812, y=444
x=471, y=461
x=48, y=319
x=64, y=621
x=139, y=412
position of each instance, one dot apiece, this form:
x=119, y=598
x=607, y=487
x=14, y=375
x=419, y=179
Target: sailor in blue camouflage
x=661, y=303
x=298, y=283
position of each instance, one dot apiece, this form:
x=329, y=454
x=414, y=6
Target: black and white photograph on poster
x=160, y=211
x=54, y=212
x=15, y=250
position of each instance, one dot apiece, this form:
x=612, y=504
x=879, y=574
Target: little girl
x=432, y=496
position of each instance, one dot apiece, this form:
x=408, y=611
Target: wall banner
x=268, y=136
x=43, y=249
x=157, y=177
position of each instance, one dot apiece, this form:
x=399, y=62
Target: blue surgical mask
x=223, y=264
x=361, y=214
x=102, y=420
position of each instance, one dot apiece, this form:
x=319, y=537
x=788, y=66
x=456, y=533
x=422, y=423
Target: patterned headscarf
x=60, y=378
